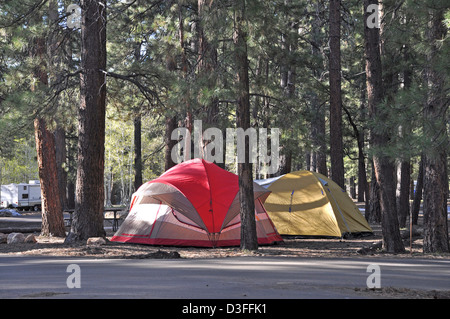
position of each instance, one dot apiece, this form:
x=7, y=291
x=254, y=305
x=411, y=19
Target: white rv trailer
x=21, y=196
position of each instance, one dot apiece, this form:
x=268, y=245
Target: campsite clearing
x=291, y=247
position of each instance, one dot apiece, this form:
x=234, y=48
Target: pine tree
x=89, y=203
x=435, y=193
x=247, y=212
x=336, y=147
x=52, y=217
x=383, y=165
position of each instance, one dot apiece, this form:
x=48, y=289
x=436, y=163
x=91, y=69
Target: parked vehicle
x=21, y=196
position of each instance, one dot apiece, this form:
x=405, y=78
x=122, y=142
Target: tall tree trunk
x=56, y=76
x=137, y=121
x=137, y=152
x=52, y=217
x=405, y=161
x=384, y=166
x=249, y=239
x=89, y=201
x=435, y=182
x=336, y=144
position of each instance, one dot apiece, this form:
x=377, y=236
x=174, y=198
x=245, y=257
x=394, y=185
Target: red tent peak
x=208, y=187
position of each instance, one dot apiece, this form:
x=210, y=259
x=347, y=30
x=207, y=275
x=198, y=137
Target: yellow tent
x=310, y=204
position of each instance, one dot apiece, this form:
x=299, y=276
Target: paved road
x=237, y=278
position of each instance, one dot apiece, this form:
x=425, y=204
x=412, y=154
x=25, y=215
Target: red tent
x=195, y=203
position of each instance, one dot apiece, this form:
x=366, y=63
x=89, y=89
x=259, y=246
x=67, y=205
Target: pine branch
x=150, y=95
x=21, y=18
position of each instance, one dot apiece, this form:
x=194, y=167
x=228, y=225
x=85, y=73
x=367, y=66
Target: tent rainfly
x=305, y=203
x=195, y=203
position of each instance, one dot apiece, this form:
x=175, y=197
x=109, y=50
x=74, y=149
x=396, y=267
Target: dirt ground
x=355, y=247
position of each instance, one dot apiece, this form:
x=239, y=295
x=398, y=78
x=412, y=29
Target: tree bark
x=336, y=144
x=52, y=216
x=89, y=201
x=435, y=181
x=405, y=160
x=55, y=74
x=137, y=121
x=384, y=166
x=137, y=152
x=249, y=239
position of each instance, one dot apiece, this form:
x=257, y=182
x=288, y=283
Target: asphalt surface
x=221, y=278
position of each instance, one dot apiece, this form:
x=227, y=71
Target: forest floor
x=357, y=246
x=354, y=247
